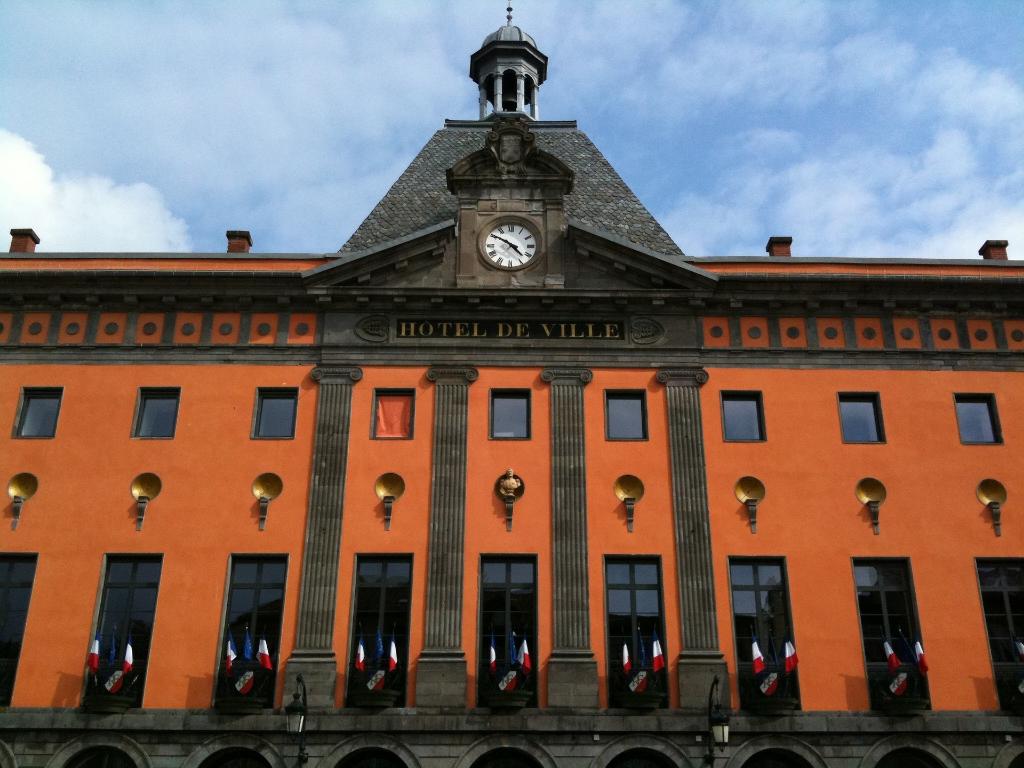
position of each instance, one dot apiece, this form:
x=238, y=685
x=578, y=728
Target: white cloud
x=84, y=213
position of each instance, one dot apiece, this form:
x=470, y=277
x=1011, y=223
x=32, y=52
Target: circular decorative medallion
x=645, y=330
x=373, y=328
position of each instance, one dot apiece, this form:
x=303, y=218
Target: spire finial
x=508, y=15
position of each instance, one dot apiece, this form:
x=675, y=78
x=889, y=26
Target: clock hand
x=510, y=244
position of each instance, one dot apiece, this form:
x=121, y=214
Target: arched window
x=371, y=758
x=907, y=758
x=101, y=757
x=235, y=758
x=776, y=758
x=1017, y=762
x=640, y=758
x=505, y=758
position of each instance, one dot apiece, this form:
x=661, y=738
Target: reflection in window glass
x=275, y=413
x=508, y=615
x=510, y=414
x=976, y=418
x=16, y=575
x=158, y=412
x=382, y=600
x=741, y=416
x=39, y=411
x=633, y=599
x=861, y=418
x=626, y=416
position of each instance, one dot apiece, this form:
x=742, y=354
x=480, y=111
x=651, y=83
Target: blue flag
x=247, y=646
x=379, y=649
x=112, y=657
x=643, y=651
x=511, y=650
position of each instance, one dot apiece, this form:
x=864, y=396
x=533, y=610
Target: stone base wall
x=569, y=739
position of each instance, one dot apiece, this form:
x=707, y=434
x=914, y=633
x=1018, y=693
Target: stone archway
x=907, y=758
x=371, y=758
x=535, y=755
x=782, y=750
x=232, y=746
x=357, y=745
x=652, y=749
x=776, y=758
x=505, y=758
x=924, y=752
x=100, y=751
x=235, y=758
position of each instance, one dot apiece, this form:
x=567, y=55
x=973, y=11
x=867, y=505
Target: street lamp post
x=718, y=724
x=296, y=715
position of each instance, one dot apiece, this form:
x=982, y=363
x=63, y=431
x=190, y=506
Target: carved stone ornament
x=510, y=488
x=320, y=373
x=374, y=328
x=682, y=377
x=453, y=375
x=573, y=375
x=645, y=330
x=512, y=145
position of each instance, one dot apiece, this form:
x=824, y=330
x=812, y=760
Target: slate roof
x=600, y=198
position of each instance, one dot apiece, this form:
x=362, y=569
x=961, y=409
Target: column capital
x=568, y=375
x=328, y=372
x=682, y=377
x=452, y=375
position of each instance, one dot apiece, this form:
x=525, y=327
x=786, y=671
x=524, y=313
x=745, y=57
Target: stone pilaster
x=700, y=659
x=313, y=655
x=572, y=671
x=441, y=668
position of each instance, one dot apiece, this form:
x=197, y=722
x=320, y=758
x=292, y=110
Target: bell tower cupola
x=509, y=70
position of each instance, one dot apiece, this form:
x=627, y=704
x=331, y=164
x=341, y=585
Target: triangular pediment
x=602, y=260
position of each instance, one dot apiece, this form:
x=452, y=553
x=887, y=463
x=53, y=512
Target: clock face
x=510, y=245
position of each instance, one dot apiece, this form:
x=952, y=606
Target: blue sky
x=859, y=128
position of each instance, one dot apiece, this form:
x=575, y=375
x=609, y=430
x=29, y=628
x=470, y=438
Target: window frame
x=875, y=398
x=353, y=637
x=7, y=559
x=412, y=412
x=743, y=668
x=1006, y=674
x=758, y=396
x=613, y=659
x=274, y=393
x=612, y=394
x=873, y=670
x=225, y=625
x=989, y=399
x=27, y=393
x=483, y=635
x=156, y=393
x=500, y=391
x=99, y=629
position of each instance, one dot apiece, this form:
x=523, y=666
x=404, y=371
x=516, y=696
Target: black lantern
x=296, y=714
x=718, y=723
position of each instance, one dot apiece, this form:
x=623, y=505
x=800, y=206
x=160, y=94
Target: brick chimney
x=24, y=240
x=992, y=249
x=239, y=241
x=779, y=246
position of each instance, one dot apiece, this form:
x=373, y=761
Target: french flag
x=229, y=655
x=129, y=656
x=626, y=663
x=524, y=658
x=493, y=666
x=890, y=657
x=791, y=658
x=263, y=654
x=360, y=656
x=92, y=661
x=758, y=657
x=922, y=663
x=392, y=655
x=657, y=656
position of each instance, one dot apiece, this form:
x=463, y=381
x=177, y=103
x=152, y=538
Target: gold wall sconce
x=629, y=489
x=509, y=487
x=389, y=489
x=750, y=491
x=21, y=488
x=266, y=488
x=871, y=494
x=992, y=494
x=145, y=488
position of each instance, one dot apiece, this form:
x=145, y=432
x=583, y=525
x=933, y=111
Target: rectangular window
x=254, y=609
x=860, y=414
x=1002, y=598
x=393, y=409
x=275, y=413
x=625, y=415
x=886, y=606
x=742, y=416
x=508, y=618
x=16, y=575
x=510, y=414
x=380, y=618
x=38, y=414
x=977, y=419
x=157, y=413
x=635, y=620
x=760, y=610
x=127, y=608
